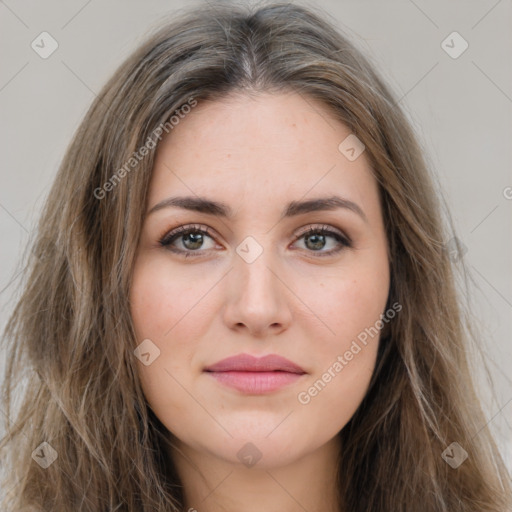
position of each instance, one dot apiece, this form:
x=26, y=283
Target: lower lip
x=256, y=383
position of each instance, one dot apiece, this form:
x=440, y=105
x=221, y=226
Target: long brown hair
x=70, y=339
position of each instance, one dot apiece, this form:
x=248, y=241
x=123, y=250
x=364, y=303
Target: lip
x=255, y=375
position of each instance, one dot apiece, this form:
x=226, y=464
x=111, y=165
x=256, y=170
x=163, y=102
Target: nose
x=257, y=297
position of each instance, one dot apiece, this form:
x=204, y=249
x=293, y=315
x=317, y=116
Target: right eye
x=191, y=238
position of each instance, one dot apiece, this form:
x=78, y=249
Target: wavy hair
x=70, y=338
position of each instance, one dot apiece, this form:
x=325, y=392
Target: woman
x=240, y=290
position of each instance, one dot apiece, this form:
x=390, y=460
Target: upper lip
x=248, y=363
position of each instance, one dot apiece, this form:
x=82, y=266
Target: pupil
x=318, y=244
x=195, y=243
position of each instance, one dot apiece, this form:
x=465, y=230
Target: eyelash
x=167, y=239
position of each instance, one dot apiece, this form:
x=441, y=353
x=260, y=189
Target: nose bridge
x=256, y=297
x=253, y=273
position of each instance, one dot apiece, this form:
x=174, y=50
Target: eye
x=190, y=238
x=316, y=239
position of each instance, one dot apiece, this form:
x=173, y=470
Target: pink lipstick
x=255, y=375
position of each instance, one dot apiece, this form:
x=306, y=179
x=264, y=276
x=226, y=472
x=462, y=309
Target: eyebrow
x=294, y=208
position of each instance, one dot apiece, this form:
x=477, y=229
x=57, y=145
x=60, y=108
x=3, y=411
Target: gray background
x=461, y=109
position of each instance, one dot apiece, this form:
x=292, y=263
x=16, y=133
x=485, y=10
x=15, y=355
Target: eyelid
x=322, y=227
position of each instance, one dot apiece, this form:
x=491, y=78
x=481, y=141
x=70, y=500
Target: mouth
x=253, y=375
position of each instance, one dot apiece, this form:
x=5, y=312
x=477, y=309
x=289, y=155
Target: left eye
x=315, y=239
x=192, y=238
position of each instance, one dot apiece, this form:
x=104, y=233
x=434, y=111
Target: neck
x=212, y=484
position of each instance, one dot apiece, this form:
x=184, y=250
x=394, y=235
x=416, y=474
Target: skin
x=256, y=154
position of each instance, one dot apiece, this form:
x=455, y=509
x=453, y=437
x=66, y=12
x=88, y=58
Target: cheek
x=164, y=301
x=345, y=360
x=331, y=399
x=346, y=304
x=171, y=309
x=350, y=305
x=161, y=307
x=151, y=301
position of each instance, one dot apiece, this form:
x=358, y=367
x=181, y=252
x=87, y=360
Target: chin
x=258, y=453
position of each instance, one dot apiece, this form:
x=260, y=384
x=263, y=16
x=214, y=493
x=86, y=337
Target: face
x=266, y=268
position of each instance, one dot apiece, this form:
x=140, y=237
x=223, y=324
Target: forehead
x=285, y=144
